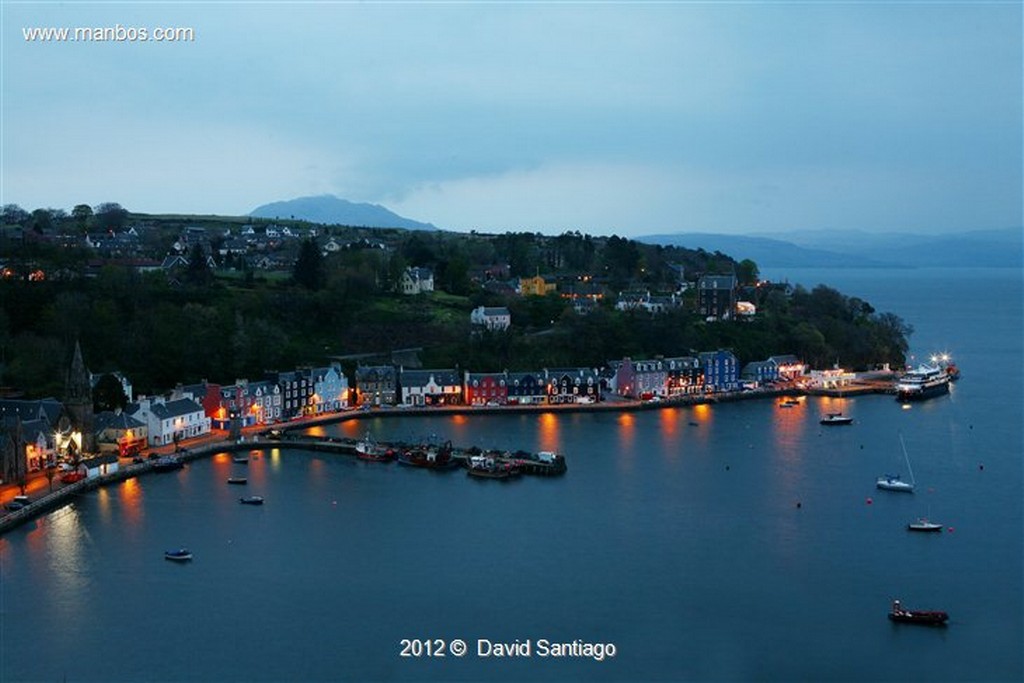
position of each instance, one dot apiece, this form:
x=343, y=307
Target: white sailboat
x=892, y=482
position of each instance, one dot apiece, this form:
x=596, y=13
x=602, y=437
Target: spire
x=79, y=386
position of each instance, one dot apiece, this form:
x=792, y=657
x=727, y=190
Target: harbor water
x=734, y=542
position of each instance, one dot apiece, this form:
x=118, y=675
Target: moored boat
x=179, y=555
x=251, y=500
x=892, y=482
x=924, y=524
x=237, y=480
x=168, y=463
x=923, y=382
x=487, y=467
x=924, y=617
x=370, y=450
x=835, y=419
x=241, y=459
x=429, y=457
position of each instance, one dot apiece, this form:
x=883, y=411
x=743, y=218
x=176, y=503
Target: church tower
x=78, y=401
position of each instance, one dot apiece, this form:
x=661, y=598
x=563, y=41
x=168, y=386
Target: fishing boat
x=429, y=457
x=370, y=450
x=237, y=480
x=179, y=555
x=251, y=500
x=924, y=617
x=836, y=419
x=487, y=467
x=892, y=482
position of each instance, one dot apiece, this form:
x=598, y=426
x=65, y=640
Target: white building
x=168, y=421
x=417, y=281
x=493, y=318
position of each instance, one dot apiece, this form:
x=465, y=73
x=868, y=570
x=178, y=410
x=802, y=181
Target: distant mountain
x=764, y=251
x=857, y=249
x=330, y=210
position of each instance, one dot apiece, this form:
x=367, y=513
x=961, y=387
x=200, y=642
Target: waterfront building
x=486, y=388
x=572, y=385
x=721, y=370
x=685, y=376
x=120, y=433
x=170, y=421
x=640, y=379
x=430, y=387
x=296, y=390
x=265, y=401
x=330, y=390
x=100, y=465
x=526, y=388
x=376, y=384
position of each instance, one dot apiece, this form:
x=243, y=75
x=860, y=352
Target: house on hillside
x=535, y=286
x=716, y=296
x=495, y=318
x=417, y=281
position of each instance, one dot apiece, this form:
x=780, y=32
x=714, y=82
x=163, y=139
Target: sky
x=607, y=118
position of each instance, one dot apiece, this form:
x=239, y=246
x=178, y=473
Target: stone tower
x=78, y=401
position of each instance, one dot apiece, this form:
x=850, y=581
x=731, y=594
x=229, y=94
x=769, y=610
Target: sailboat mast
x=907, y=458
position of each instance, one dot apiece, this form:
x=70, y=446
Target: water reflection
x=548, y=432
x=130, y=498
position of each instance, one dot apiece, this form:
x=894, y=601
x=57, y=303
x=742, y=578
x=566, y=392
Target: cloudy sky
x=603, y=117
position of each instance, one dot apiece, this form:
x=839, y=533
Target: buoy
x=981, y=467
x=950, y=529
x=726, y=467
x=799, y=504
x=869, y=501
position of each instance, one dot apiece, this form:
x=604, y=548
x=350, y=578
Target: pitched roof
x=182, y=406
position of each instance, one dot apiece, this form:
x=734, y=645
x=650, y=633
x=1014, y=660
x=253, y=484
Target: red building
x=483, y=388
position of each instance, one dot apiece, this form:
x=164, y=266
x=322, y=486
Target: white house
x=100, y=465
x=417, y=280
x=493, y=318
x=168, y=421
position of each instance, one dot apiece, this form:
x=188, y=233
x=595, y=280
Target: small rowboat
x=251, y=500
x=238, y=480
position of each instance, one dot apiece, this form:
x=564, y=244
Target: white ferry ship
x=924, y=382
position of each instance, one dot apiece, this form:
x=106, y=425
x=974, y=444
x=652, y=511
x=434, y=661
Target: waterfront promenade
x=46, y=495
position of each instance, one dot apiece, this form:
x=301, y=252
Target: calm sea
x=739, y=542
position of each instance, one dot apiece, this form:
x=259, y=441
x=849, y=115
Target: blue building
x=721, y=370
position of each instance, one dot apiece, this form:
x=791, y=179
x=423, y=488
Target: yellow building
x=535, y=286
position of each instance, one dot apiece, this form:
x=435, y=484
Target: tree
x=108, y=394
x=14, y=215
x=42, y=220
x=747, y=272
x=111, y=216
x=309, y=266
x=82, y=213
x=198, y=273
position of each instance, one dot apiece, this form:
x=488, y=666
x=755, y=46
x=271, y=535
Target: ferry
x=924, y=382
